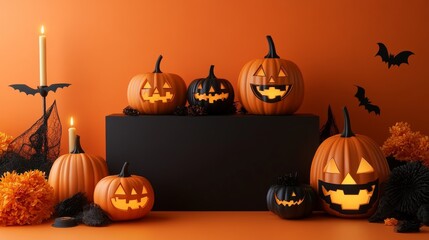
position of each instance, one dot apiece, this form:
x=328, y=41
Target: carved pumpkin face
x=347, y=171
x=124, y=197
x=156, y=92
x=216, y=94
x=133, y=200
x=271, y=85
x=288, y=199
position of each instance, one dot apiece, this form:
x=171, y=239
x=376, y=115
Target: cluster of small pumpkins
x=122, y=197
x=347, y=173
x=267, y=86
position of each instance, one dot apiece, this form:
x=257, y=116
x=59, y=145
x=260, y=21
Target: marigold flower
x=5, y=140
x=406, y=145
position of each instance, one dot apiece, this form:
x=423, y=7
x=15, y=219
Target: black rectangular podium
x=212, y=162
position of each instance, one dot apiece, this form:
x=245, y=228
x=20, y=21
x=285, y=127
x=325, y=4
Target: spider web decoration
x=27, y=151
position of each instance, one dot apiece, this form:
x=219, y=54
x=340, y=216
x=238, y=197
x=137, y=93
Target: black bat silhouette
x=364, y=101
x=391, y=59
x=28, y=90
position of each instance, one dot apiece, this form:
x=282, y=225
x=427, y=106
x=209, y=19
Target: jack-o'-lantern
x=270, y=86
x=124, y=196
x=347, y=172
x=289, y=199
x=156, y=92
x=215, y=94
x=76, y=172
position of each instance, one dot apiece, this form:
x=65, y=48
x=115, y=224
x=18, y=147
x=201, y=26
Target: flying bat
x=391, y=59
x=364, y=101
x=43, y=91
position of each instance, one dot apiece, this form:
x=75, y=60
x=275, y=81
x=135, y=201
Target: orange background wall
x=98, y=46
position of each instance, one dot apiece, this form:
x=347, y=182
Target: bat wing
x=24, y=88
x=54, y=87
x=360, y=94
x=382, y=52
x=363, y=100
x=372, y=108
x=401, y=57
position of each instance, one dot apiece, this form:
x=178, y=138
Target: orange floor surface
x=217, y=225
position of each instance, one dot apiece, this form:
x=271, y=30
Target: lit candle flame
x=71, y=122
x=42, y=30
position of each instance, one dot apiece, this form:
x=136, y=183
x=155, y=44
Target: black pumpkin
x=289, y=199
x=214, y=94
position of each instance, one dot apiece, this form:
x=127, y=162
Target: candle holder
x=43, y=91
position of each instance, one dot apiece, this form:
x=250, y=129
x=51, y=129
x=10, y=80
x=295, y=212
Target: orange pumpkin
x=156, y=92
x=270, y=86
x=347, y=172
x=124, y=196
x=76, y=172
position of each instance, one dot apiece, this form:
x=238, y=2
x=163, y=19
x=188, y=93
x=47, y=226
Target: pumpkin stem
x=158, y=62
x=272, y=52
x=211, y=73
x=124, y=171
x=347, y=131
x=288, y=179
x=77, y=147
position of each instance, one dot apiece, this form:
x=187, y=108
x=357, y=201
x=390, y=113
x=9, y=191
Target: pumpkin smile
x=288, y=203
x=349, y=198
x=156, y=96
x=211, y=98
x=125, y=204
x=270, y=93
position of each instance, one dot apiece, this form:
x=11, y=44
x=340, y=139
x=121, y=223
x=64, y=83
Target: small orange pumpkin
x=347, y=171
x=124, y=196
x=156, y=92
x=76, y=172
x=270, y=86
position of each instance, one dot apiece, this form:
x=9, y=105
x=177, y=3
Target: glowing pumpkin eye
x=331, y=167
x=147, y=86
x=293, y=194
x=166, y=85
x=144, y=191
x=364, y=167
x=120, y=190
x=133, y=192
x=282, y=73
x=260, y=72
x=200, y=86
x=222, y=86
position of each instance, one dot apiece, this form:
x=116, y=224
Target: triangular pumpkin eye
x=133, y=192
x=222, y=86
x=364, y=167
x=200, y=86
x=282, y=73
x=166, y=85
x=331, y=167
x=144, y=191
x=147, y=86
x=293, y=194
x=120, y=190
x=260, y=72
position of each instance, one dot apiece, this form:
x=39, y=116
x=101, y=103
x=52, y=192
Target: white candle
x=42, y=57
x=72, y=135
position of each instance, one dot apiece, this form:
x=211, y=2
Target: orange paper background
x=98, y=46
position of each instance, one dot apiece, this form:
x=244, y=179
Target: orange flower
x=25, y=198
x=406, y=145
x=5, y=140
x=390, y=222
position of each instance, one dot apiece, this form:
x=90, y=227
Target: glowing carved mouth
x=156, y=97
x=288, y=203
x=125, y=204
x=349, y=198
x=270, y=93
x=211, y=97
